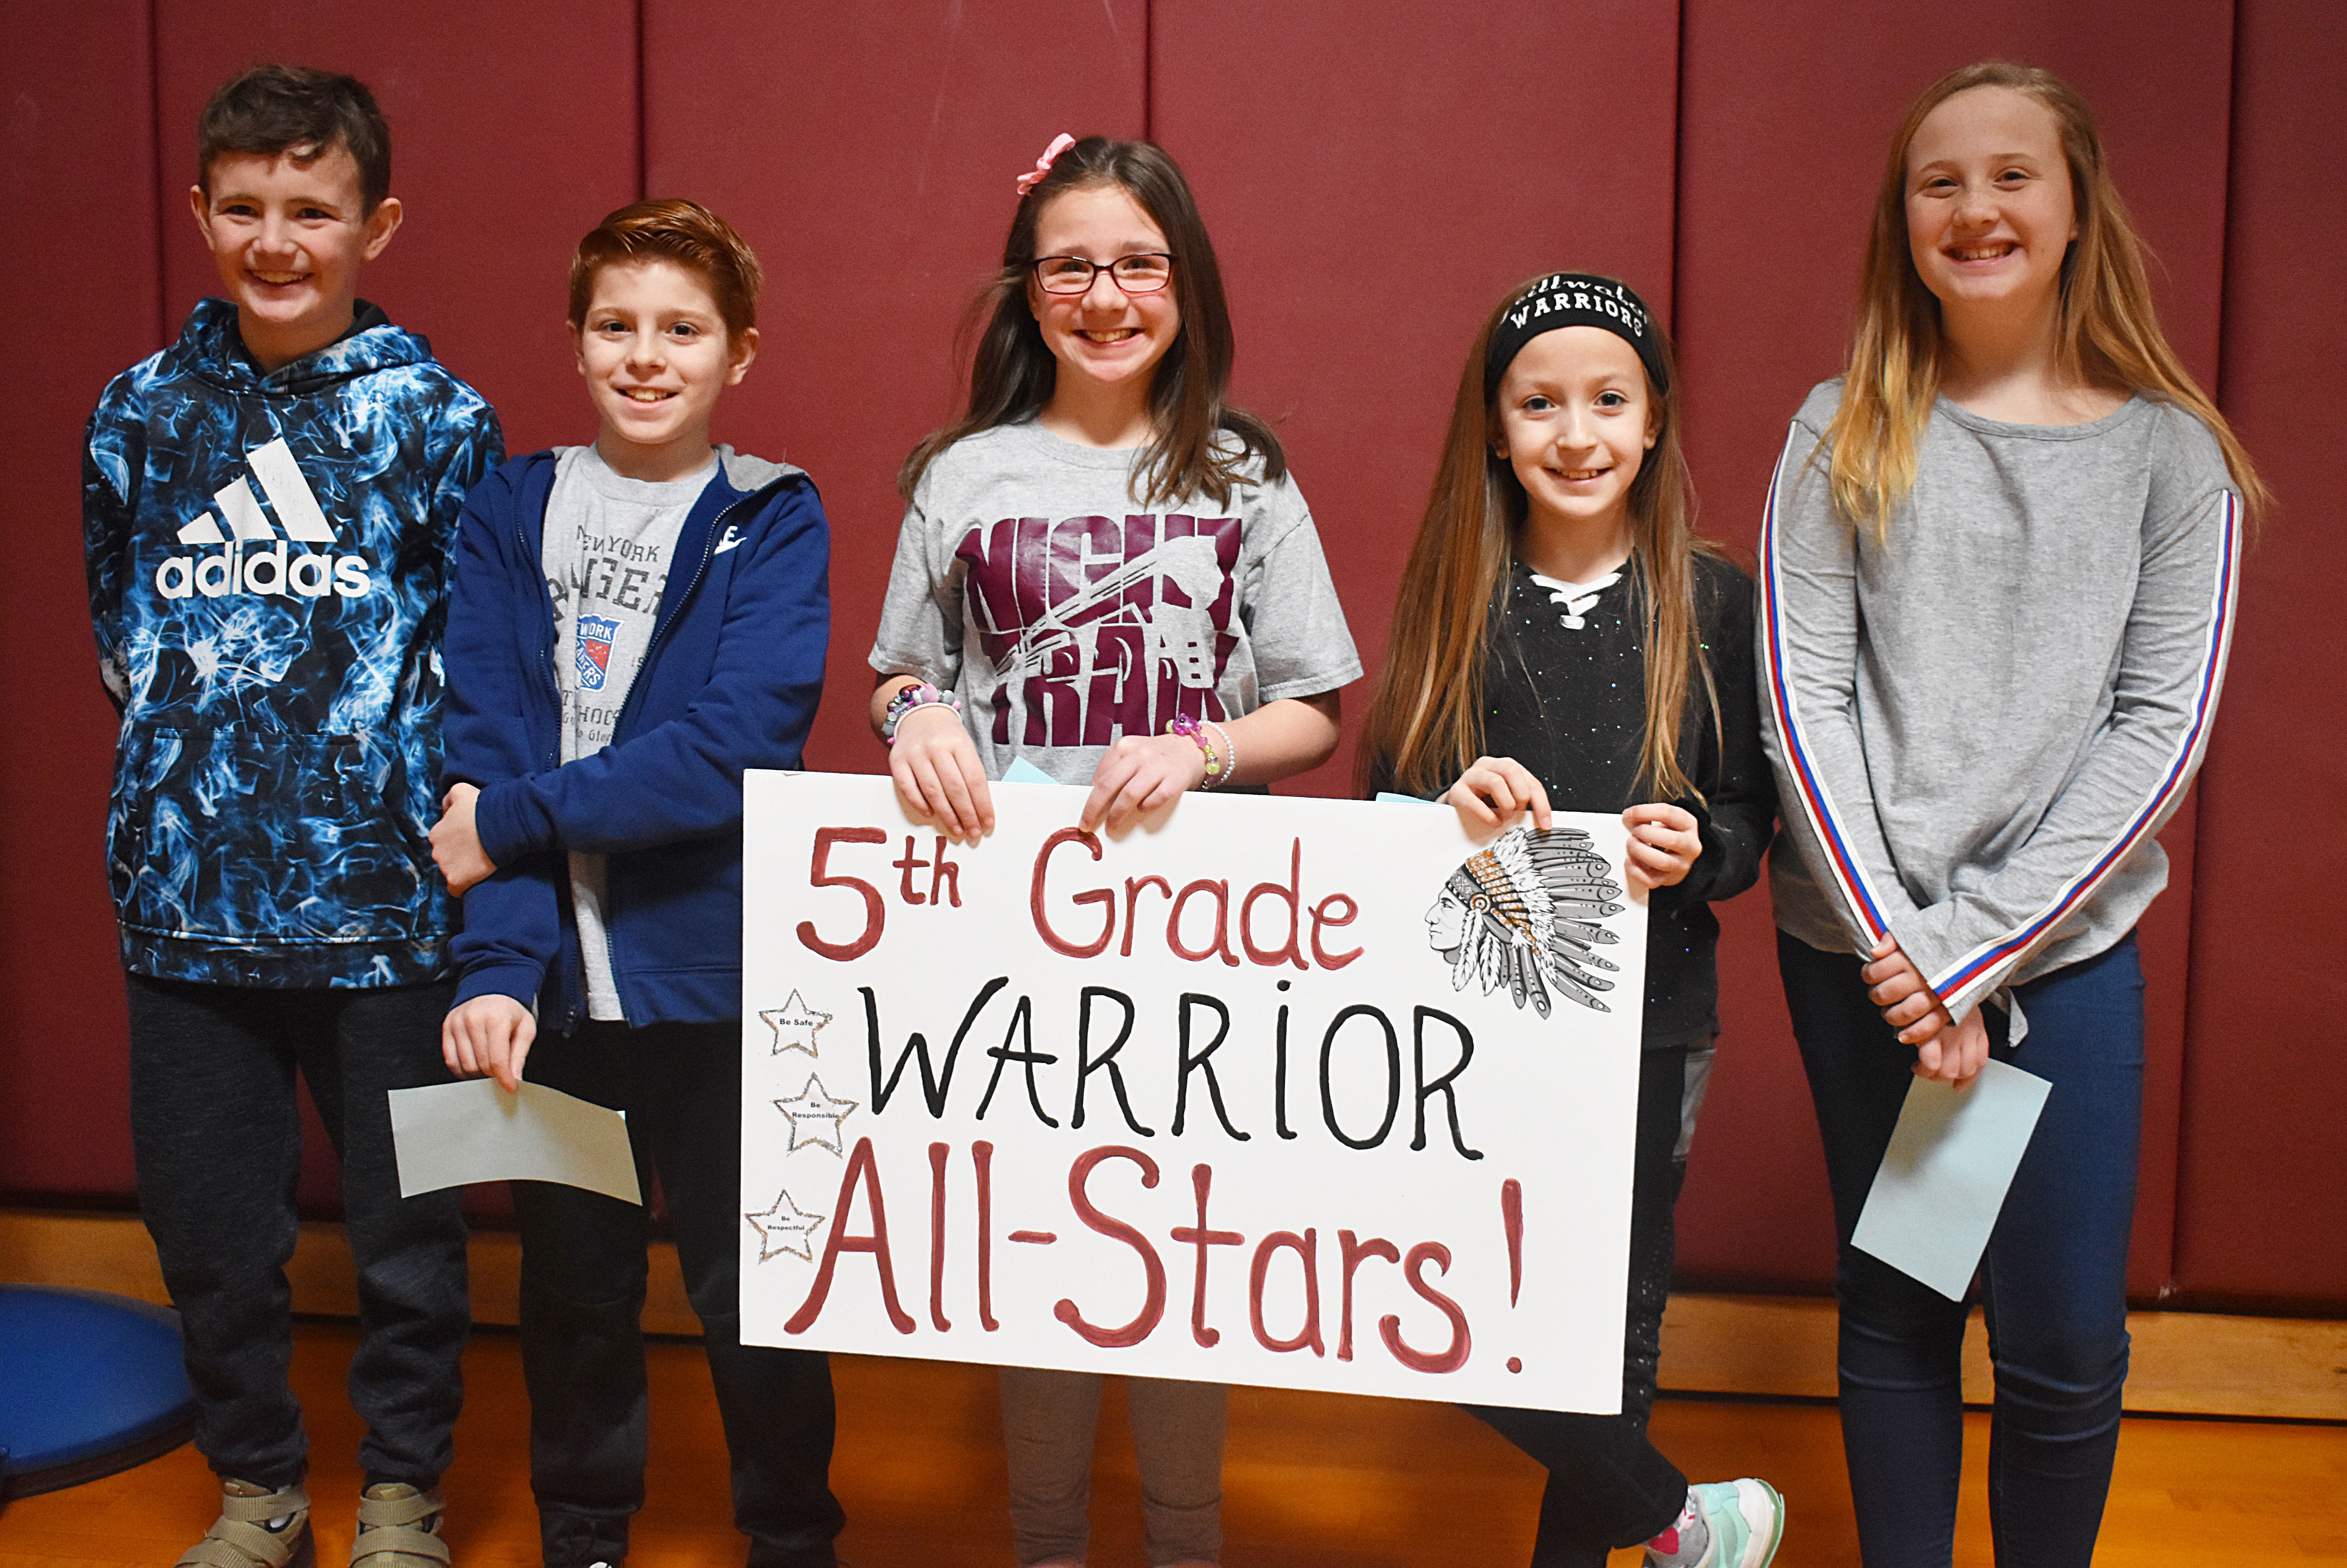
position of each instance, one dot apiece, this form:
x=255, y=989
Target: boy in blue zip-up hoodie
x=267, y=510
x=633, y=624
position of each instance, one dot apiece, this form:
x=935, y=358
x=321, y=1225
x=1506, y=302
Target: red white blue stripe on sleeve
x=1969, y=970
x=1850, y=877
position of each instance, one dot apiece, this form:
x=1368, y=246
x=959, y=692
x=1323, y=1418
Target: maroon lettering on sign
x=1321, y=916
x=1307, y=1247
x=1051, y=938
x=937, y=1153
x=1293, y=896
x=1132, y=887
x=981, y=1159
x=861, y=1169
x=1353, y=1251
x=908, y=865
x=1221, y=945
x=1511, y=1218
x=819, y=873
x=1201, y=1180
x=945, y=874
x=1451, y=1356
x=1153, y=1307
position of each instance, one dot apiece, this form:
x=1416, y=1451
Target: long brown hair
x=1012, y=373
x=2109, y=330
x=1425, y=724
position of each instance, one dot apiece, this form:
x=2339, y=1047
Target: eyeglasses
x=1143, y=273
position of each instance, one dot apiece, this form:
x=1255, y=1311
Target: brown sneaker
x=257, y=1529
x=399, y=1527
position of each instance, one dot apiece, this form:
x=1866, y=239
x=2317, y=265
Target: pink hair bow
x=1059, y=144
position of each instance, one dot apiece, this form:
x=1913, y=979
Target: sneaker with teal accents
x=1746, y=1519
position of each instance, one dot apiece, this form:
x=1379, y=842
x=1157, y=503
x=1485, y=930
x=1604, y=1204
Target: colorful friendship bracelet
x=919, y=695
x=1218, y=765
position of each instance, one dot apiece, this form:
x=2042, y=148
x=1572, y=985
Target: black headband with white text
x=1574, y=300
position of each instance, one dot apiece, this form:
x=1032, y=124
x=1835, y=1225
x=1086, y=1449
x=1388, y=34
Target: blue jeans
x=2053, y=1281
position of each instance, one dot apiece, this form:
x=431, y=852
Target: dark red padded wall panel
x=76, y=130
x=1376, y=176
x=1786, y=113
x=868, y=152
x=2264, y=1211
x=513, y=131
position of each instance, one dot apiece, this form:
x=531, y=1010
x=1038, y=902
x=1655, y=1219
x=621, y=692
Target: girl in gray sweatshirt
x=1996, y=590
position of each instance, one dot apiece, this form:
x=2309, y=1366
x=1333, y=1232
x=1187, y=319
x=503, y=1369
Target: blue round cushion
x=95, y=1384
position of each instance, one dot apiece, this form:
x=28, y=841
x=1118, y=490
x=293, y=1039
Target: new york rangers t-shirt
x=1066, y=614
x=606, y=551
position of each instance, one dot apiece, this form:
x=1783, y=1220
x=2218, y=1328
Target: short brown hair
x=684, y=232
x=296, y=112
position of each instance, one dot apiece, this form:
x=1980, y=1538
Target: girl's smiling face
x=1104, y=335
x=1989, y=209
x=1576, y=423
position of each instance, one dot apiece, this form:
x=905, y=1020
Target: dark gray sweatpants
x=217, y=1133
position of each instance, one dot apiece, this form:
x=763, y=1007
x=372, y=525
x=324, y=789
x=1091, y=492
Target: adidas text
x=275, y=570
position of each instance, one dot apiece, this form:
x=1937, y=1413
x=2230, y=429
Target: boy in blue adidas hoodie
x=267, y=510
x=633, y=622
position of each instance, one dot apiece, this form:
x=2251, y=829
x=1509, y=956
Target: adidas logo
x=253, y=558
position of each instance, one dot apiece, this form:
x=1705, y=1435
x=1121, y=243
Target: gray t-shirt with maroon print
x=1066, y=615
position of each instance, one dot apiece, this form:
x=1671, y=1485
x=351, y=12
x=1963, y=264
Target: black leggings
x=1608, y=1486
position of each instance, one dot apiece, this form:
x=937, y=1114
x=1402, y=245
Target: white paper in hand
x=1943, y=1179
x=447, y=1134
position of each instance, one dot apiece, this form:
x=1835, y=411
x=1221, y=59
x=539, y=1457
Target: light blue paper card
x=1943, y=1179
x=1384, y=795
x=1022, y=771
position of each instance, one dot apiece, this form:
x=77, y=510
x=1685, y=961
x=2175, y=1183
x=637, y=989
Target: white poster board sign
x=1310, y=1094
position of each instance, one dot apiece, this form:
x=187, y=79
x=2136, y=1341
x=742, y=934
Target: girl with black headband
x=1563, y=641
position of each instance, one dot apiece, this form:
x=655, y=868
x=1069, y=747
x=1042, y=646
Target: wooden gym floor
x=1311, y=1480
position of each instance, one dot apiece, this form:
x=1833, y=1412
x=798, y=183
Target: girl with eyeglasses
x=1105, y=569
x=1563, y=640
x=1997, y=582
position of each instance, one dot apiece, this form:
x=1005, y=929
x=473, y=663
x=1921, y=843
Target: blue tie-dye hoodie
x=268, y=578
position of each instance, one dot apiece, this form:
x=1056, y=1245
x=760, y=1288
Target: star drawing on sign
x=784, y=1228
x=795, y=1024
x=816, y=1116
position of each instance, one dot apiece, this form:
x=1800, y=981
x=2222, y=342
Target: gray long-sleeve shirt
x=1980, y=721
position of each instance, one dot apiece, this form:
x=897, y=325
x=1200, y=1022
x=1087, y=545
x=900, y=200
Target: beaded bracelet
x=1230, y=756
x=1190, y=729
x=907, y=698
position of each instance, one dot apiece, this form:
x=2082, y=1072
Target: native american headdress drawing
x=1526, y=914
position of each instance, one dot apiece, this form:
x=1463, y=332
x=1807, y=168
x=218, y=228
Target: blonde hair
x=2109, y=332
x=1425, y=724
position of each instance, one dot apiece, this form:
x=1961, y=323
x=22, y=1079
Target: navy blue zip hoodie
x=729, y=680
